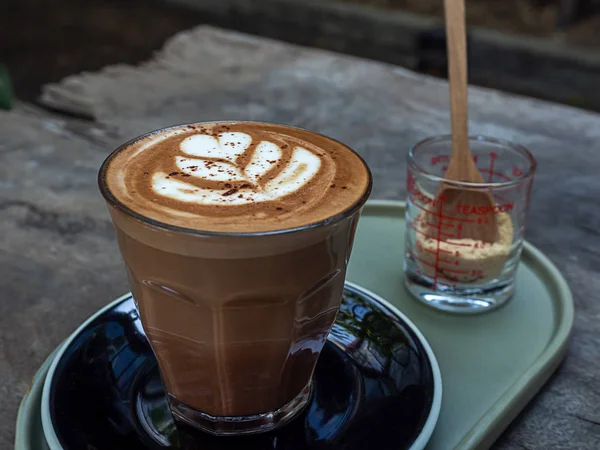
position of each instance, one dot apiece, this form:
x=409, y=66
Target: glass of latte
x=236, y=237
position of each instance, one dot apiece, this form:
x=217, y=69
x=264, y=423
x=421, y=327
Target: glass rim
x=529, y=173
x=113, y=201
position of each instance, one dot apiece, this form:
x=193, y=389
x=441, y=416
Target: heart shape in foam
x=224, y=159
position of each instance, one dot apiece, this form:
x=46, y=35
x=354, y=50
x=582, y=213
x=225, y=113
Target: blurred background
x=548, y=49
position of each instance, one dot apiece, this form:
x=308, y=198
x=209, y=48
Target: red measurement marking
x=447, y=261
x=491, y=173
x=433, y=225
x=422, y=208
x=444, y=277
x=517, y=172
x=459, y=245
x=437, y=251
x=460, y=272
x=460, y=228
x=456, y=244
x=437, y=266
x=437, y=214
x=496, y=174
x=421, y=232
x=421, y=260
x=441, y=251
x=483, y=210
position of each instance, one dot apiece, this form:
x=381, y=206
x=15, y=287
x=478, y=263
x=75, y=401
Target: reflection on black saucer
x=373, y=388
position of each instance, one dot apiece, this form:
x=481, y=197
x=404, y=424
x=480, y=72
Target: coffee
x=236, y=177
x=236, y=238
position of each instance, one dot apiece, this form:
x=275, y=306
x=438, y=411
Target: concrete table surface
x=58, y=256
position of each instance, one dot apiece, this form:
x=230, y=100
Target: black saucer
x=373, y=388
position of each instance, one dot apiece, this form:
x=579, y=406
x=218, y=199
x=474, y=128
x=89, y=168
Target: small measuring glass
x=443, y=268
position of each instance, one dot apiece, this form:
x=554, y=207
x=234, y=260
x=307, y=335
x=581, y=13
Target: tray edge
x=22, y=437
x=485, y=432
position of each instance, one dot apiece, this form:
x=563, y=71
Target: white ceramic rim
x=436, y=405
x=419, y=443
x=49, y=432
x=27, y=432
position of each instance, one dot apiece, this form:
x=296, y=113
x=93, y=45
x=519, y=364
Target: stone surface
x=42, y=42
x=58, y=256
x=548, y=68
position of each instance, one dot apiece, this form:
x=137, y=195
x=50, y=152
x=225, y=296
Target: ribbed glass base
x=239, y=425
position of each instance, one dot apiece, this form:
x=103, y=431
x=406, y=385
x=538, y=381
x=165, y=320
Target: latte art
x=236, y=237
x=264, y=176
x=235, y=176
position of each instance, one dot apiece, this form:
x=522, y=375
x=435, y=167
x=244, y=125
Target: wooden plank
x=59, y=257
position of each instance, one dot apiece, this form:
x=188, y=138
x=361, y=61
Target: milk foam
x=220, y=158
x=235, y=177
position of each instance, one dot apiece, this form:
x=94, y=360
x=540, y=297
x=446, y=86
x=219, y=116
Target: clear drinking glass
x=237, y=321
x=442, y=268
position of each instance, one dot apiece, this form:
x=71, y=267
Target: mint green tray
x=491, y=364
x=29, y=433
